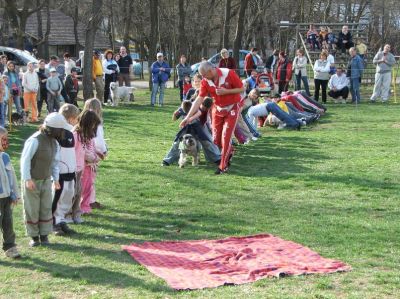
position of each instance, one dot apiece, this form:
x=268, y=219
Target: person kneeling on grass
x=198, y=127
x=9, y=196
x=38, y=164
x=339, y=86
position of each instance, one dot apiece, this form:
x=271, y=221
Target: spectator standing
x=3, y=63
x=160, y=71
x=283, y=72
x=355, y=69
x=111, y=71
x=183, y=69
x=339, y=86
x=384, y=61
x=345, y=40
x=14, y=85
x=125, y=67
x=227, y=61
x=271, y=61
x=43, y=74
x=300, y=71
x=72, y=86
x=60, y=68
x=30, y=82
x=97, y=75
x=251, y=61
x=54, y=87
x=321, y=75
x=68, y=64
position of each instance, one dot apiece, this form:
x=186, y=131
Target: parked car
x=216, y=58
x=21, y=58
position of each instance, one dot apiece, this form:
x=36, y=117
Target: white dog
x=119, y=93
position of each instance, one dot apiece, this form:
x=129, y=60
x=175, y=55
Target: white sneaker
x=281, y=126
x=254, y=138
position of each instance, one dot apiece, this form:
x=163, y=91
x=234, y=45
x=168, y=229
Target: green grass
x=333, y=187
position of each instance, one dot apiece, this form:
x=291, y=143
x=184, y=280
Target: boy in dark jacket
x=72, y=86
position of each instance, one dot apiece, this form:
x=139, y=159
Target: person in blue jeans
x=355, y=70
x=160, y=72
x=14, y=85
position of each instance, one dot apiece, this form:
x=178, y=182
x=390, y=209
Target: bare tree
x=94, y=22
x=19, y=16
x=239, y=30
x=227, y=20
x=154, y=33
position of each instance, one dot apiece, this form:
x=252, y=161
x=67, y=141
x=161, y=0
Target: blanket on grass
x=235, y=260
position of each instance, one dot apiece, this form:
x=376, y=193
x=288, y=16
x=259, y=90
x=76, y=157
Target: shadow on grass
x=88, y=275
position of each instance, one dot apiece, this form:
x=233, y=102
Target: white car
x=21, y=58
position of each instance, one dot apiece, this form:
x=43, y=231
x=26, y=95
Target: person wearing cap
x=30, y=83
x=39, y=161
x=161, y=72
x=60, y=69
x=72, y=86
x=54, y=87
x=97, y=74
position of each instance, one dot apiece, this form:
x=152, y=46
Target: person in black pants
x=111, y=70
x=43, y=75
x=321, y=76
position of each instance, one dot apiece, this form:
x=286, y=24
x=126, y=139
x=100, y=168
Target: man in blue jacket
x=355, y=70
x=160, y=71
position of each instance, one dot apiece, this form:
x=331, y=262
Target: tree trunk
x=75, y=20
x=94, y=22
x=227, y=19
x=181, y=28
x=127, y=13
x=154, y=32
x=239, y=30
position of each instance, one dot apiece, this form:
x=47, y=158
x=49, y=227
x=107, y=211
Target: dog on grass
x=189, y=146
x=19, y=119
x=121, y=93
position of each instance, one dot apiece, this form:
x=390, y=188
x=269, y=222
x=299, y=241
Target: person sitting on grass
x=339, y=86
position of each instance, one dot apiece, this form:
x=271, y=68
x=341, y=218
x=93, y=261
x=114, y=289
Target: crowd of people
x=58, y=164
x=55, y=83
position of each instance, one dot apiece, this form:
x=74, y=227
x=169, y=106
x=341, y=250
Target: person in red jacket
x=283, y=72
x=250, y=61
x=227, y=61
x=225, y=87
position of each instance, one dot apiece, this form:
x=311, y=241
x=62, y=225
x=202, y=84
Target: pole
x=305, y=49
x=10, y=102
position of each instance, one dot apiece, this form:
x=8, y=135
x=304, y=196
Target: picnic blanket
x=235, y=260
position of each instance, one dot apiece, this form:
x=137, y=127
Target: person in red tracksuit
x=225, y=87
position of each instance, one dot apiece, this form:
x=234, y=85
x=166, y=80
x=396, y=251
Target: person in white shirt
x=30, y=82
x=300, y=71
x=339, y=86
x=68, y=64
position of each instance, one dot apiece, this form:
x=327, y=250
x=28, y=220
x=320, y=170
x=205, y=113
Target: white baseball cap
x=160, y=54
x=55, y=120
x=53, y=69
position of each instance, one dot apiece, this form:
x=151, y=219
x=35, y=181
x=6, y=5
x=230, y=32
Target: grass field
x=333, y=187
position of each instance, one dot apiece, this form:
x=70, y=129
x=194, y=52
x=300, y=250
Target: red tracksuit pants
x=223, y=126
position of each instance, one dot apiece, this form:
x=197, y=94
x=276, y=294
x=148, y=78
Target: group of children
x=58, y=171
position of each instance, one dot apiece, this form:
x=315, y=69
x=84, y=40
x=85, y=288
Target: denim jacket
x=8, y=180
x=357, y=67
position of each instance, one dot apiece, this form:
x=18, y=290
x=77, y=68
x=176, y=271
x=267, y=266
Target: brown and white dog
x=19, y=119
x=189, y=146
